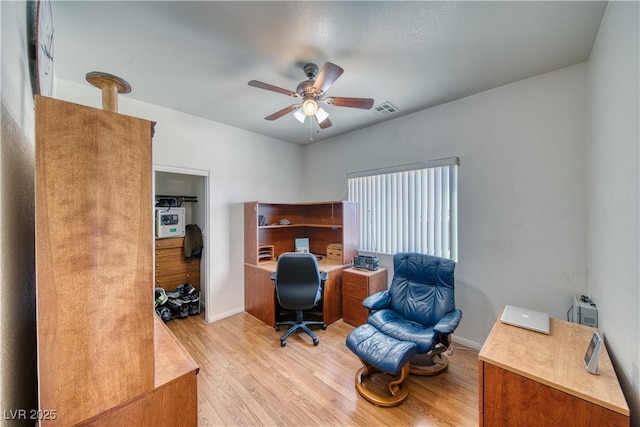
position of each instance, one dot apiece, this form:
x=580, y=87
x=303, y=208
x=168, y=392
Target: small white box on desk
x=583, y=311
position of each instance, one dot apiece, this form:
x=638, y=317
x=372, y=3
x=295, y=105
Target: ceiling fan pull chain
x=311, y=129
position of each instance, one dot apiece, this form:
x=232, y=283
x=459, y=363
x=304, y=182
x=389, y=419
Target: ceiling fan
x=312, y=91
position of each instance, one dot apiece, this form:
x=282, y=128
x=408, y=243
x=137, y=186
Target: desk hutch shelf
x=323, y=223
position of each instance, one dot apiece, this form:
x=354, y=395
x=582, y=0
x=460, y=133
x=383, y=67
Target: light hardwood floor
x=247, y=379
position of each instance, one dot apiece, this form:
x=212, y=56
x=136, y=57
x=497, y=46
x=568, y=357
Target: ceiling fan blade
x=284, y=111
x=325, y=123
x=326, y=77
x=272, y=88
x=338, y=101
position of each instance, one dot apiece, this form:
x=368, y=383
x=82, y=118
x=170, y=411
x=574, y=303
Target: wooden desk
x=529, y=378
x=175, y=381
x=260, y=292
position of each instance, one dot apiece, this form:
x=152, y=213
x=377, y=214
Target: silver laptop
x=524, y=318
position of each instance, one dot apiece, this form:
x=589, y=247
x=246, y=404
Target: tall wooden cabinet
x=272, y=228
x=103, y=358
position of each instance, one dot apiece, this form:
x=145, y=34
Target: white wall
x=521, y=189
x=17, y=218
x=243, y=166
x=613, y=173
x=16, y=86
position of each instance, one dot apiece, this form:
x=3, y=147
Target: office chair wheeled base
x=431, y=363
x=299, y=325
x=381, y=388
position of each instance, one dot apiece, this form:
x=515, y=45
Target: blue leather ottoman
x=386, y=365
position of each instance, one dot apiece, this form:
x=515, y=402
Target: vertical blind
x=408, y=208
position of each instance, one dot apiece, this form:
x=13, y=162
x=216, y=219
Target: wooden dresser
x=529, y=378
x=171, y=268
x=356, y=286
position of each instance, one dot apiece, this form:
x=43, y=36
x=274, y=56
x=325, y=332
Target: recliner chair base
x=380, y=388
x=429, y=364
x=386, y=365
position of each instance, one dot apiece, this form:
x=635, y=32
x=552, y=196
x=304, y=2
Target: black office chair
x=299, y=284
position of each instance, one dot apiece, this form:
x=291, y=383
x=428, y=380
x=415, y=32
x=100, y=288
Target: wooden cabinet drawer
x=171, y=261
x=170, y=255
x=353, y=312
x=174, y=255
x=175, y=267
x=355, y=278
x=355, y=290
x=170, y=281
x=175, y=242
x=171, y=269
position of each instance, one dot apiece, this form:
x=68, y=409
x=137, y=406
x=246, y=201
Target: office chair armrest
x=274, y=275
x=377, y=301
x=323, y=279
x=448, y=323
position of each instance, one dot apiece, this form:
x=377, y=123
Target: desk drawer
x=355, y=278
x=354, y=313
x=355, y=290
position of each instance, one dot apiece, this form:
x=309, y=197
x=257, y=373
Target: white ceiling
x=197, y=57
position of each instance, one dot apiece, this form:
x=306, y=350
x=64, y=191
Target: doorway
x=191, y=188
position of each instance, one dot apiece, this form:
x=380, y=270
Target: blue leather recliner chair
x=418, y=307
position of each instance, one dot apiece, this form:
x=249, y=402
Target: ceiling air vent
x=384, y=109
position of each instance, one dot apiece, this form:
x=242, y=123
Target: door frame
x=204, y=272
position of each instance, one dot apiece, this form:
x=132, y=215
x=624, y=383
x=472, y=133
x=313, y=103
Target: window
x=408, y=208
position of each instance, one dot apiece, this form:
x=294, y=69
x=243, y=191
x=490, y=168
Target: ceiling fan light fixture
x=321, y=115
x=312, y=91
x=309, y=106
x=299, y=115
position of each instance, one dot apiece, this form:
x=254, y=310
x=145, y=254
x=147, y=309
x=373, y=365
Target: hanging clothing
x=192, y=242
